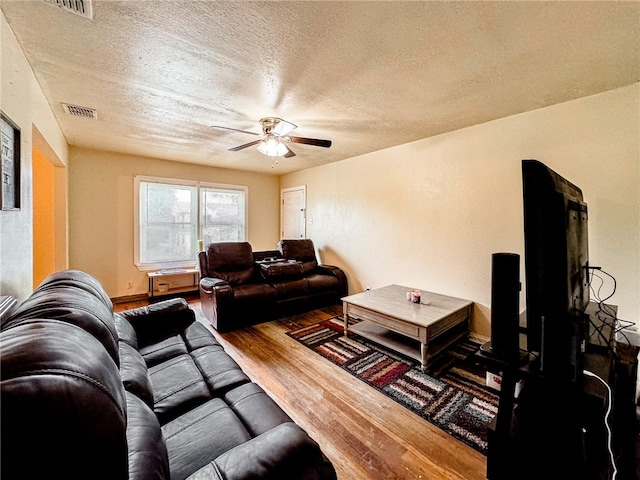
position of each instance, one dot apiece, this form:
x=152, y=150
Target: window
x=173, y=215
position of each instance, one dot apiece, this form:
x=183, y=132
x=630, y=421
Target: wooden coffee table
x=420, y=331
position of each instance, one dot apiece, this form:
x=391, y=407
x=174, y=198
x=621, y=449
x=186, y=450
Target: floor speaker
x=505, y=297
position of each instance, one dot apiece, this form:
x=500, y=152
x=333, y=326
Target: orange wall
x=44, y=240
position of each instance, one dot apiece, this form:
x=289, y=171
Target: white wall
x=429, y=214
x=22, y=100
x=101, y=211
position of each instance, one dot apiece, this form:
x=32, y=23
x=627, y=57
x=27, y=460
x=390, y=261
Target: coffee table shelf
x=407, y=345
x=420, y=331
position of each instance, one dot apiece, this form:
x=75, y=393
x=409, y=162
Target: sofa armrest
x=285, y=451
x=157, y=319
x=209, y=283
x=336, y=272
x=216, y=300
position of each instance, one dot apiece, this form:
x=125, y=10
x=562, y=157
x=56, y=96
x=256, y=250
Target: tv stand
x=556, y=429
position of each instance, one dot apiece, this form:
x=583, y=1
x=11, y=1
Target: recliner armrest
x=336, y=272
x=209, y=283
x=327, y=269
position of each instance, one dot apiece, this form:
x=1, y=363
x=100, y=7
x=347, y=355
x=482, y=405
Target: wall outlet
x=130, y=284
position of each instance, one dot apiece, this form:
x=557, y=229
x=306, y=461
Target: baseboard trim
x=130, y=298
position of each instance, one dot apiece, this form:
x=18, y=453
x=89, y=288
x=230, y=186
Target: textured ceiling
x=366, y=75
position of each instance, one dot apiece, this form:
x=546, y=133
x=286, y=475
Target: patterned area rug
x=451, y=394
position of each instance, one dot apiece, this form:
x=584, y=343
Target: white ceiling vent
x=80, y=111
x=79, y=7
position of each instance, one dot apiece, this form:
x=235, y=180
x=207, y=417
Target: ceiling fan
x=274, y=138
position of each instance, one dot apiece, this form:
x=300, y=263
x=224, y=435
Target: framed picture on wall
x=10, y=174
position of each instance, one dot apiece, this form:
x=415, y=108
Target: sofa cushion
x=253, y=293
x=298, y=249
x=218, y=369
x=291, y=288
x=75, y=306
x=126, y=332
x=135, y=376
x=201, y=435
x=301, y=250
x=177, y=387
x=231, y=261
x=196, y=336
x=169, y=347
x=148, y=459
x=77, y=279
x=258, y=412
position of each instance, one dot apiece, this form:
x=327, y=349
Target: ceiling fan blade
x=235, y=129
x=289, y=153
x=311, y=141
x=283, y=127
x=246, y=145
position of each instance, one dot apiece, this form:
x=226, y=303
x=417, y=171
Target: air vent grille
x=79, y=7
x=80, y=111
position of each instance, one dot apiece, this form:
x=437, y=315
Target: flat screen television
x=556, y=270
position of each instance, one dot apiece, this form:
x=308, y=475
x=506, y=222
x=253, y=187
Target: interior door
x=293, y=206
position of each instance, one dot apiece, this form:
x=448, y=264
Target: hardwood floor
x=364, y=434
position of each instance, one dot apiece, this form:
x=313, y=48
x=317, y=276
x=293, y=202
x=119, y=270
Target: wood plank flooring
x=363, y=433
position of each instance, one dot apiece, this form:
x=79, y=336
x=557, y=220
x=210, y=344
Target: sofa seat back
x=230, y=261
x=76, y=298
x=301, y=250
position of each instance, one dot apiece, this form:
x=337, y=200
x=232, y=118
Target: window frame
x=138, y=179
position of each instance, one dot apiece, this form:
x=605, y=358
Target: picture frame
x=10, y=179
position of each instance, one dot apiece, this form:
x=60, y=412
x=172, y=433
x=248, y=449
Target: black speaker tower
x=505, y=300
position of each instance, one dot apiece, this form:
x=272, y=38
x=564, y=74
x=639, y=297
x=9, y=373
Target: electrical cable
x=606, y=421
x=605, y=313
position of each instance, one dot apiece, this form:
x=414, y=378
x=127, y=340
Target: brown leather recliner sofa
x=144, y=394
x=239, y=287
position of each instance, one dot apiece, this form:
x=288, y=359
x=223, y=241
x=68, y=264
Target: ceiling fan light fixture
x=272, y=146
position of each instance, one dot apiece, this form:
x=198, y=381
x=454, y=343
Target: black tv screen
x=556, y=269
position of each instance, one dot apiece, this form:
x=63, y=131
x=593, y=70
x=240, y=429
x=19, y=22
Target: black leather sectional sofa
x=144, y=394
x=240, y=287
